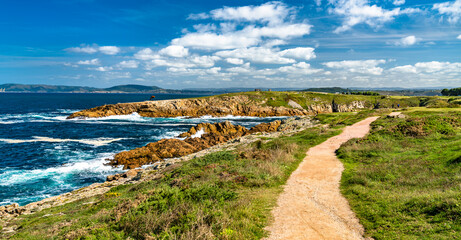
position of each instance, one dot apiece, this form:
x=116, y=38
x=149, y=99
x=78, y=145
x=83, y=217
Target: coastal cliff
x=257, y=104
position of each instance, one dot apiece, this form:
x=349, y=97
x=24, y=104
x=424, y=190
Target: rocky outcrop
x=240, y=105
x=217, y=106
x=212, y=134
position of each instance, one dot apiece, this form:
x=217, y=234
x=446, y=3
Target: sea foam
x=97, y=142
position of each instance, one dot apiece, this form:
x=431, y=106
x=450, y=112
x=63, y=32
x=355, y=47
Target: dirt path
x=311, y=206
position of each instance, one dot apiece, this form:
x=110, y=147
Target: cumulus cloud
x=271, y=12
x=109, y=50
x=304, y=53
x=407, y=41
x=175, y=51
x=451, y=9
x=89, y=62
x=245, y=68
x=204, y=61
x=146, y=54
x=360, y=11
x=358, y=66
x=102, y=69
x=258, y=24
x=459, y=37
x=399, y=2
x=83, y=49
x=429, y=67
x=299, y=68
x=235, y=61
x=128, y=64
x=256, y=55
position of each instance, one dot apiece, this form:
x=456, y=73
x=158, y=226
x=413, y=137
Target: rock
x=214, y=134
x=294, y=104
x=218, y=106
x=266, y=127
x=131, y=173
x=111, y=178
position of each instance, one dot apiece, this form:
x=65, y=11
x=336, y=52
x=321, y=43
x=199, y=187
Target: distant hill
x=381, y=91
x=44, y=88
x=328, y=90
x=130, y=88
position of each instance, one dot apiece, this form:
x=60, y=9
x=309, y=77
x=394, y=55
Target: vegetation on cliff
x=260, y=104
x=403, y=180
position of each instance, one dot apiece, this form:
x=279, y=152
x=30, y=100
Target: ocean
x=43, y=154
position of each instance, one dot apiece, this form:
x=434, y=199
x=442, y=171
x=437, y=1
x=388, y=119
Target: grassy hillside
x=306, y=99
x=403, y=180
x=224, y=195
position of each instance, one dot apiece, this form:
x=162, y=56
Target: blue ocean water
x=43, y=154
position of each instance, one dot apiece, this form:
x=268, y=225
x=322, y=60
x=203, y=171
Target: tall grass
x=404, y=179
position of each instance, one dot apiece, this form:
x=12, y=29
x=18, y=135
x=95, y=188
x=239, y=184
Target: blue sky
x=184, y=44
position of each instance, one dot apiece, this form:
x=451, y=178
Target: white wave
x=198, y=134
x=97, y=142
x=134, y=117
x=60, y=173
x=10, y=122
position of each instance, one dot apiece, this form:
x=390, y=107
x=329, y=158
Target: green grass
x=224, y=195
x=404, y=179
x=307, y=99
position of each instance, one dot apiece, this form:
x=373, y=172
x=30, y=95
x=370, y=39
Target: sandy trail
x=311, y=205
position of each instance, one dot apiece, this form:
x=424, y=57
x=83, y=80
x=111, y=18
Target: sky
x=232, y=43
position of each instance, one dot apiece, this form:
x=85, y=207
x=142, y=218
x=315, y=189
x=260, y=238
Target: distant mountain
x=43, y=88
x=130, y=88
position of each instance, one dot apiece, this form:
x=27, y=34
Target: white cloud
x=102, y=69
x=452, y=9
x=270, y=23
x=360, y=11
x=109, y=50
x=283, y=31
x=128, y=64
x=299, y=68
x=358, y=66
x=271, y=12
x=399, y=2
x=235, y=61
x=407, y=41
x=198, y=16
x=204, y=61
x=83, y=49
x=245, y=68
x=215, y=41
x=175, y=51
x=257, y=55
x=305, y=53
x=89, y=62
x=404, y=69
x=459, y=37
x=170, y=63
x=146, y=54
x=429, y=67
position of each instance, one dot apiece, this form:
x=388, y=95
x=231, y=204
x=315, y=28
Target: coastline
x=288, y=127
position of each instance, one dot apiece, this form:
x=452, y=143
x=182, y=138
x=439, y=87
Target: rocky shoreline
x=218, y=137
x=219, y=106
